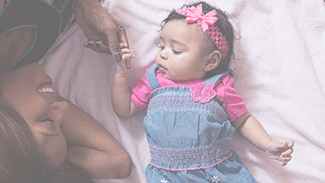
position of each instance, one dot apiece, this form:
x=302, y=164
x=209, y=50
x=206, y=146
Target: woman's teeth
x=46, y=90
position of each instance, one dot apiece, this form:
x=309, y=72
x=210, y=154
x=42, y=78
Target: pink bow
x=195, y=15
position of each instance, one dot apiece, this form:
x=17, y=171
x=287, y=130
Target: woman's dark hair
x=224, y=26
x=20, y=158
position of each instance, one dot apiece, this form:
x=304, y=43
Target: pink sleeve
x=234, y=104
x=140, y=93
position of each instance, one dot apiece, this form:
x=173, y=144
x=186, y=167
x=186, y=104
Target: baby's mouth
x=162, y=69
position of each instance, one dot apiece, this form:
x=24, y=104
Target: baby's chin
x=177, y=79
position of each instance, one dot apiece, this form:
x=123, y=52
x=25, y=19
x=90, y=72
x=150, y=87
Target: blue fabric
x=46, y=20
x=189, y=141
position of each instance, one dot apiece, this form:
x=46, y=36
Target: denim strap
x=152, y=79
x=215, y=78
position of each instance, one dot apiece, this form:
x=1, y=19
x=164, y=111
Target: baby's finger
x=124, y=45
x=127, y=56
x=130, y=54
x=286, y=158
x=288, y=152
x=126, y=51
x=284, y=161
x=283, y=144
x=290, y=143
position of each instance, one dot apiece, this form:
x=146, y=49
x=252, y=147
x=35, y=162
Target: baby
x=192, y=106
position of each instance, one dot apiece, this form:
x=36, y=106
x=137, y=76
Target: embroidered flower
x=164, y=181
x=215, y=179
x=203, y=93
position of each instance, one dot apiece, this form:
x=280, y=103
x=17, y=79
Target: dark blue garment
x=29, y=28
x=189, y=141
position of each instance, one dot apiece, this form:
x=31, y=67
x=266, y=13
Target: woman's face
x=29, y=90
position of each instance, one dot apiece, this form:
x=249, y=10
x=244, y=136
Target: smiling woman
x=42, y=111
x=21, y=159
x=43, y=137
x=39, y=134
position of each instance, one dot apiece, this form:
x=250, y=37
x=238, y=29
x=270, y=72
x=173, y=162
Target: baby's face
x=181, y=56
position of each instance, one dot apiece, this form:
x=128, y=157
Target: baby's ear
x=212, y=61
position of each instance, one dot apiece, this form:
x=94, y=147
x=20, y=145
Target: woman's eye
x=176, y=52
x=47, y=120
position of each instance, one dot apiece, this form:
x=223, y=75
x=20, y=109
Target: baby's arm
x=121, y=95
x=250, y=128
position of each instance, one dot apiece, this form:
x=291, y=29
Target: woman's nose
x=59, y=109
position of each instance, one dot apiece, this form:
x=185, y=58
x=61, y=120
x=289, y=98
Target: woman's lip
x=47, y=80
x=45, y=83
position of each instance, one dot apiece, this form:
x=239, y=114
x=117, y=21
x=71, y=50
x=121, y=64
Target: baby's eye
x=161, y=47
x=176, y=51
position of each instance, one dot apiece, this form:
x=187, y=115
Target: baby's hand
x=124, y=64
x=280, y=150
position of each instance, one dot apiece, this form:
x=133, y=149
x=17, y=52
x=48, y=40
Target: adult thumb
x=114, y=46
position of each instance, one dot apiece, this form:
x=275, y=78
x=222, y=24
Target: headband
x=206, y=22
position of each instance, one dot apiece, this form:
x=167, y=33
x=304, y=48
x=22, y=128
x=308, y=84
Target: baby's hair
x=224, y=26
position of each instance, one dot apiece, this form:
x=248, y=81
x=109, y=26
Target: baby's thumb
x=285, y=144
x=279, y=144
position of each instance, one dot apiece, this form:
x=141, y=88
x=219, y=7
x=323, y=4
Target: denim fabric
x=189, y=141
x=231, y=170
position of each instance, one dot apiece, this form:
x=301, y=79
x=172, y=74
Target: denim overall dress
x=189, y=141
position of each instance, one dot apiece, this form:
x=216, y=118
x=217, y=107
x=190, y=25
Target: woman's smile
x=46, y=86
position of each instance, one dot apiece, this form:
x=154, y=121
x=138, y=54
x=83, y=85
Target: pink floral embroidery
x=203, y=93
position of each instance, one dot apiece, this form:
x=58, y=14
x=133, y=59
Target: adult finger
x=122, y=38
x=114, y=45
x=92, y=45
x=103, y=46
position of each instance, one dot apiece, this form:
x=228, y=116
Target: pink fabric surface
x=234, y=104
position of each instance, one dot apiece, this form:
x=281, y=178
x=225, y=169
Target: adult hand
x=105, y=34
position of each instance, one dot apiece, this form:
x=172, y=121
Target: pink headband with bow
x=206, y=22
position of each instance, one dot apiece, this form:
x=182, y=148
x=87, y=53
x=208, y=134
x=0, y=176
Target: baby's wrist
x=122, y=75
x=266, y=146
x=121, y=68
